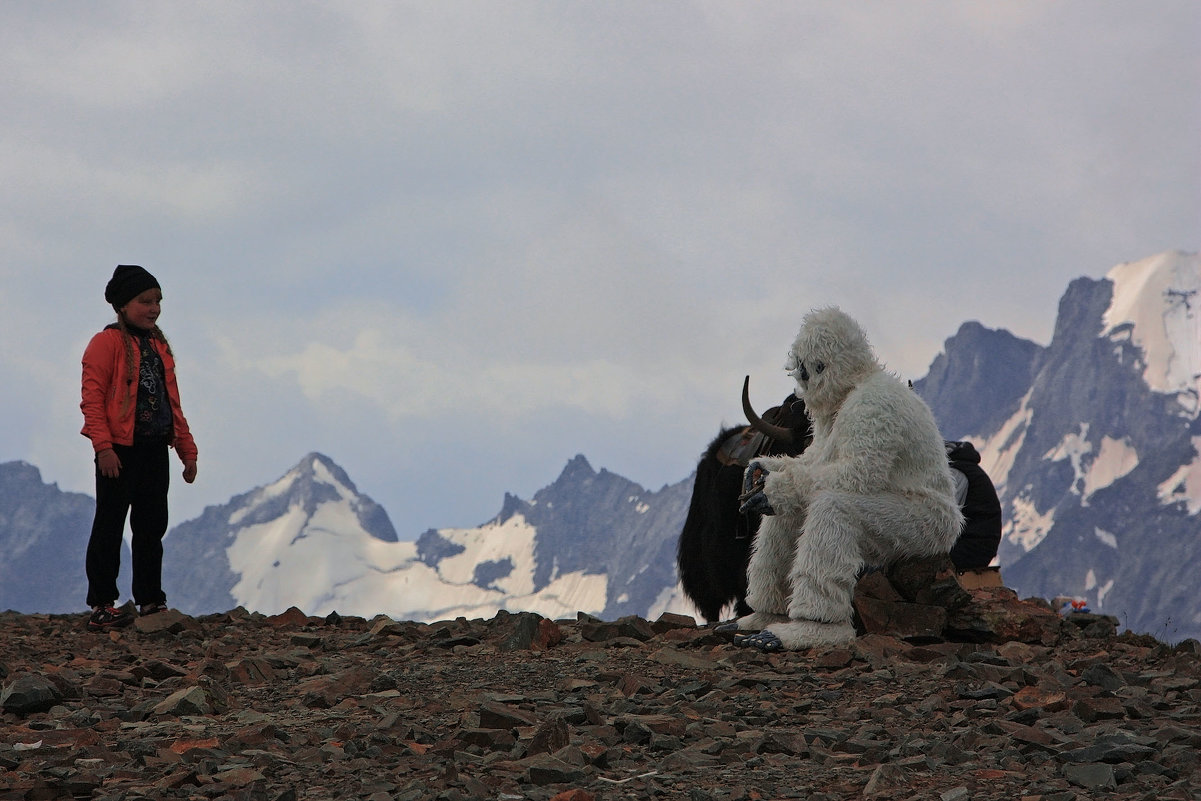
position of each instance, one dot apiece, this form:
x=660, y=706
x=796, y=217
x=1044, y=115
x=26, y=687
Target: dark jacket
x=981, y=535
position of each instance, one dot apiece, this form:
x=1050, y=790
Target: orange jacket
x=110, y=394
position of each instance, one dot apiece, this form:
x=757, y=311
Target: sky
x=453, y=244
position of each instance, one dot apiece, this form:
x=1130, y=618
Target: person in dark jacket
x=977, y=544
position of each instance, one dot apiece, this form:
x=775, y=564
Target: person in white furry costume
x=872, y=488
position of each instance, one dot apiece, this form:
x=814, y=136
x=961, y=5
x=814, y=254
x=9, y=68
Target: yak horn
x=778, y=433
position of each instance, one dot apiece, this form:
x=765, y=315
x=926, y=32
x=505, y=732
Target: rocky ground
x=246, y=707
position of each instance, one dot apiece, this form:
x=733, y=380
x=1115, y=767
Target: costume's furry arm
x=787, y=486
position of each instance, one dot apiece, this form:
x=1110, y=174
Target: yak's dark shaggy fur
x=715, y=543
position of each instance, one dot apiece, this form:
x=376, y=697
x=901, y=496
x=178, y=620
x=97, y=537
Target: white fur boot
x=798, y=634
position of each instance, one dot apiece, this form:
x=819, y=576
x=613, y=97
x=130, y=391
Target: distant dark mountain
x=603, y=520
x=604, y=525
x=43, y=537
x=979, y=379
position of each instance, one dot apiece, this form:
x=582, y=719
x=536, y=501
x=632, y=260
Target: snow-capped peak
x=312, y=469
x=1157, y=305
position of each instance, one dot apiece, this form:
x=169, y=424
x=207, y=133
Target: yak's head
x=830, y=357
x=788, y=425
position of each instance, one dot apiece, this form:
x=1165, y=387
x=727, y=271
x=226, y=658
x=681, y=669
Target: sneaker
x=151, y=609
x=108, y=617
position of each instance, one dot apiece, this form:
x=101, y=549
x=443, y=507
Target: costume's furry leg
x=822, y=578
x=827, y=560
x=767, y=572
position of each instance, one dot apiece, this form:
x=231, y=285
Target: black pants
x=141, y=492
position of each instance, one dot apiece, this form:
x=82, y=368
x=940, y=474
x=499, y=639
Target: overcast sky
x=453, y=244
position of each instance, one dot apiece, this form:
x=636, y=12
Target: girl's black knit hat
x=128, y=281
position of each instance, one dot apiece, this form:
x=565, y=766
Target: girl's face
x=143, y=311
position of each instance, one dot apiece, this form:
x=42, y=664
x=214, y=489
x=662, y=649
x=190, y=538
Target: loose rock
x=287, y=707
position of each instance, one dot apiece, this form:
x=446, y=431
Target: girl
x=131, y=413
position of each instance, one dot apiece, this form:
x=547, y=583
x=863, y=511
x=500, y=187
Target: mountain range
x=1093, y=442
x=591, y=542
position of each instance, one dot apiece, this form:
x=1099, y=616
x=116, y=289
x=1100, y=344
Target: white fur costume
x=872, y=488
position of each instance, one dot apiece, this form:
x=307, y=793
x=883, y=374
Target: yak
x=715, y=542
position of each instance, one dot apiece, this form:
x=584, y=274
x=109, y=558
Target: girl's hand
x=189, y=471
x=108, y=463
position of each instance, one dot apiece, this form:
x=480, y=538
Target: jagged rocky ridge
x=599, y=523
x=1094, y=442
x=43, y=535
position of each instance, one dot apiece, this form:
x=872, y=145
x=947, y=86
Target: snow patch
x=1185, y=484
x=999, y=451
x=1106, y=537
x=1026, y=526
x=570, y=593
x=1091, y=583
x=493, y=542
x=1160, y=297
x=672, y=600
x=1073, y=447
x=1115, y=460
